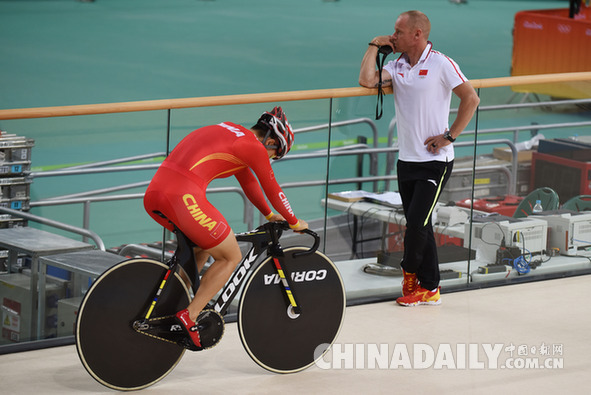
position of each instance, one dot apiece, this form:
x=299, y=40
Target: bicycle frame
x=264, y=238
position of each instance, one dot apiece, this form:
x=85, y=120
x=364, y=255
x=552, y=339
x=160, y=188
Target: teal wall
x=55, y=53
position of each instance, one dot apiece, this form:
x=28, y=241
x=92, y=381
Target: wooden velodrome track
x=552, y=313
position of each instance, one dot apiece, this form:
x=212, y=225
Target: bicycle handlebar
x=277, y=228
x=313, y=248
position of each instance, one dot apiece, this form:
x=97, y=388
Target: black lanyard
x=384, y=51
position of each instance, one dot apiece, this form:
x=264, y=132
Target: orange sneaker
x=420, y=296
x=409, y=283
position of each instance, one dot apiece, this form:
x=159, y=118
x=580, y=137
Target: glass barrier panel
x=340, y=176
x=69, y=144
x=551, y=137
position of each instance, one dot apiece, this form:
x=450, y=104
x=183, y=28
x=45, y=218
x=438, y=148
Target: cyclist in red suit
x=176, y=195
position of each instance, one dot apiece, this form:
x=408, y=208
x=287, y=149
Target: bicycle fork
x=294, y=309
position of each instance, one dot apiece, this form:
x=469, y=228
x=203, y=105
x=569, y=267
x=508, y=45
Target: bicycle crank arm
x=162, y=328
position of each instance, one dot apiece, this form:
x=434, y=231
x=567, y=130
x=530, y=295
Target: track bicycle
x=291, y=309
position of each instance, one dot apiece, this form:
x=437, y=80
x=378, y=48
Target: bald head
x=418, y=20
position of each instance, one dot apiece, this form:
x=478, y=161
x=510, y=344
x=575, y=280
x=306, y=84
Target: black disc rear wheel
x=110, y=349
x=273, y=335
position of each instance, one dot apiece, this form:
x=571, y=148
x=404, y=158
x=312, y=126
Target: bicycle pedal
x=188, y=344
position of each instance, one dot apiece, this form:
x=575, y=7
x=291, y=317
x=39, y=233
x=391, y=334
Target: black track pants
x=420, y=184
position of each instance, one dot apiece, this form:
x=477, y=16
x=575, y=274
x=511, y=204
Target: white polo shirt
x=422, y=97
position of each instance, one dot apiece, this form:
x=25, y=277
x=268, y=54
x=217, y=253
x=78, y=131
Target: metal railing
x=515, y=129
x=88, y=197
x=59, y=225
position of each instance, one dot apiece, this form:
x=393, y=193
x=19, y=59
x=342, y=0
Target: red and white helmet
x=277, y=125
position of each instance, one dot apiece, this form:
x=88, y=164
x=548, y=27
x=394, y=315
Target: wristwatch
x=447, y=136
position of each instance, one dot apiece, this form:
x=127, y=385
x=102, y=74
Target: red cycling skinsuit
x=218, y=151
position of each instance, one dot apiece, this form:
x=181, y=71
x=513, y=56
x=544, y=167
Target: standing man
x=422, y=80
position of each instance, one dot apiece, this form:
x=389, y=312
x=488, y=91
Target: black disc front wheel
x=110, y=349
x=276, y=337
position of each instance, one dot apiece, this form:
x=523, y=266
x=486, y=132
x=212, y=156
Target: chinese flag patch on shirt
x=423, y=72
